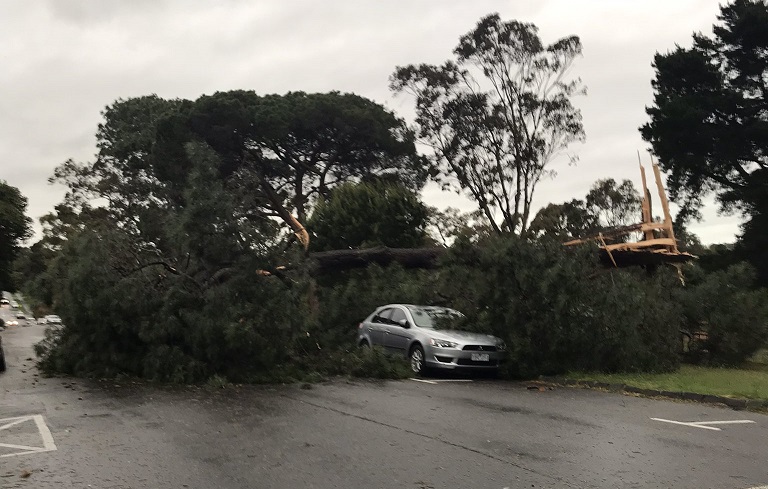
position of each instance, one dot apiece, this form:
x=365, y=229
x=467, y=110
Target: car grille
x=479, y=348
x=466, y=361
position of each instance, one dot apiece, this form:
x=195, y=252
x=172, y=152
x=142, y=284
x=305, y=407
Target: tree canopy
x=709, y=121
x=15, y=227
x=497, y=115
x=366, y=214
x=274, y=154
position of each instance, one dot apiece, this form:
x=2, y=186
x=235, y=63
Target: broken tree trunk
x=406, y=257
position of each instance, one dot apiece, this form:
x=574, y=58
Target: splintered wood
x=658, y=244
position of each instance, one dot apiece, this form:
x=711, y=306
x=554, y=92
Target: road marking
x=41, y=428
x=422, y=380
x=13, y=423
x=452, y=380
x=705, y=424
x=735, y=421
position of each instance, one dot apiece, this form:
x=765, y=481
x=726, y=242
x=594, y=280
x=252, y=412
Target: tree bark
x=346, y=259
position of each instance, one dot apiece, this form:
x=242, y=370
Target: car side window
x=397, y=316
x=383, y=317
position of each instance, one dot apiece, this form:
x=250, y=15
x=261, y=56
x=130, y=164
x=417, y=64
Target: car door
x=398, y=336
x=377, y=327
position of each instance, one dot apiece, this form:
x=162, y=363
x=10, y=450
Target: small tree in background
x=613, y=204
x=606, y=205
x=563, y=221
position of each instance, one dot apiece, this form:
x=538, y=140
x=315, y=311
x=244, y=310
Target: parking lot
x=422, y=433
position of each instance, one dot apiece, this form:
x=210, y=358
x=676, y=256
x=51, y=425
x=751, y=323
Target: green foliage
x=372, y=363
x=497, y=115
x=375, y=363
x=450, y=224
x=557, y=312
x=15, y=227
x=161, y=326
x=563, y=221
x=368, y=214
x=614, y=204
x=607, y=205
x=171, y=279
x=708, y=123
x=726, y=306
x=752, y=244
x=302, y=145
x=346, y=298
x=180, y=278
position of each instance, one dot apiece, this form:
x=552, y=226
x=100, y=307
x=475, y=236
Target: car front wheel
x=417, y=359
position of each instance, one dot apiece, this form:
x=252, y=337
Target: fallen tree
x=322, y=261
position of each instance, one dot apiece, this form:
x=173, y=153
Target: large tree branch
x=406, y=257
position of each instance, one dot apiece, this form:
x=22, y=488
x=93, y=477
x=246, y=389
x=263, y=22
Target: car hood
x=466, y=337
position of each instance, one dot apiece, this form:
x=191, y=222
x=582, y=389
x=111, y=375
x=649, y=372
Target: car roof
x=428, y=308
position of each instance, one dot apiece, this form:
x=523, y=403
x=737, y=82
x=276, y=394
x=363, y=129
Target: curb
x=734, y=403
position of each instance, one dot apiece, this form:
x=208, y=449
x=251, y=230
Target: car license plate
x=480, y=357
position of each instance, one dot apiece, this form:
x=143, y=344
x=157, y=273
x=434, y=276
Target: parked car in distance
x=52, y=319
x=4, y=302
x=20, y=315
x=12, y=322
x=422, y=335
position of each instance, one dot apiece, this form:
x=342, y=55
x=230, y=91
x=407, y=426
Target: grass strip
x=746, y=383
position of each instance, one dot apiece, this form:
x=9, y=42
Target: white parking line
x=41, y=428
x=735, y=421
x=705, y=424
x=422, y=380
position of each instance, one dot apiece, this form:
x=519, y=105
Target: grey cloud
x=64, y=61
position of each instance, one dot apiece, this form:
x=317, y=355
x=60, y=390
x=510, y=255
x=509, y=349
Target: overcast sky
x=63, y=61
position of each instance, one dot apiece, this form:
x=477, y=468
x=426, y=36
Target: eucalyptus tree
x=497, y=115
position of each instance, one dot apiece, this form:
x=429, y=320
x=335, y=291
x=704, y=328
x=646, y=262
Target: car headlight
x=442, y=343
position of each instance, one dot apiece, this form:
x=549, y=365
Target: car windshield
x=434, y=317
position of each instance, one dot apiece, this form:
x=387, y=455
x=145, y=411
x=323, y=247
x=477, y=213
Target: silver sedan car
x=417, y=332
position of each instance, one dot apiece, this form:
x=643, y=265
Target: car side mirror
x=404, y=323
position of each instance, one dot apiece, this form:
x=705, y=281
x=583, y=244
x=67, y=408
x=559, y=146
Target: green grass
x=749, y=383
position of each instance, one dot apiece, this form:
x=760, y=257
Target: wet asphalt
x=450, y=433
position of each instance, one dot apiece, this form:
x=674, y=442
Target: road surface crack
x=437, y=439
